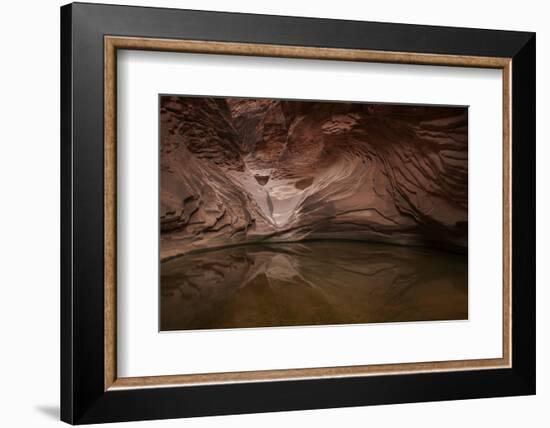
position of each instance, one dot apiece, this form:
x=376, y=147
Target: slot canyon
x=264, y=172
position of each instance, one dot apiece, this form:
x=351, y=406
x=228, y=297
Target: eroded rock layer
x=247, y=170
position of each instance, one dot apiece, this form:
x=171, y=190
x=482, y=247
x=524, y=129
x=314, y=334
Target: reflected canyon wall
x=259, y=170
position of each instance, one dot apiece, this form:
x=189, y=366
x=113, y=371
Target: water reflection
x=313, y=283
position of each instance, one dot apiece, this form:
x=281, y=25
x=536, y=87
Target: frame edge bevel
x=66, y=304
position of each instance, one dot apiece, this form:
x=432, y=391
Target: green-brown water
x=312, y=283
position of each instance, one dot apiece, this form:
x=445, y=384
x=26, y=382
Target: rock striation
x=249, y=170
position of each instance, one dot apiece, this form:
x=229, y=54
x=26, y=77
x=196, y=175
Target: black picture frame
x=83, y=396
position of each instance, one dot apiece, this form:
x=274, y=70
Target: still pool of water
x=311, y=283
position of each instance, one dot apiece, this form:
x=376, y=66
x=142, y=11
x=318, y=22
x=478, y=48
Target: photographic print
x=277, y=212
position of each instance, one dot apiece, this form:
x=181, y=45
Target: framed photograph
x=266, y=213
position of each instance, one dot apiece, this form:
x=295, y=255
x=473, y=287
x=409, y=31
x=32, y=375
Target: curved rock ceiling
x=246, y=170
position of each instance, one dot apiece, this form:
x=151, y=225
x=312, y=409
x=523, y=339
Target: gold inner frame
x=113, y=43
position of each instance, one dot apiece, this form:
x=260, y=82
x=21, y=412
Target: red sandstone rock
x=239, y=170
